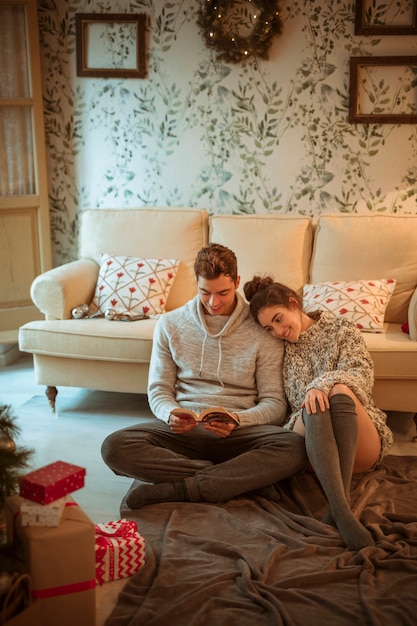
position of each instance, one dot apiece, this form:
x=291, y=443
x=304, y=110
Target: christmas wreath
x=215, y=20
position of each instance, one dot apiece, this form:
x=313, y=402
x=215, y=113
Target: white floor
x=75, y=433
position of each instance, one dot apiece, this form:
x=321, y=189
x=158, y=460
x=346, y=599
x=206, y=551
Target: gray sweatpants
x=219, y=468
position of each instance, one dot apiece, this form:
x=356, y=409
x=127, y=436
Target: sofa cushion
x=267, y=244
x=357, y=247
x=151, y=233
x=96, y=339
x=393, y=354
x=134, y=285
x=363, y=302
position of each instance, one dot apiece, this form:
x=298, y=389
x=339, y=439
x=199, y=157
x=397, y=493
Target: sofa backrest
x=148, y=232
x=363, y=247
x=267, y=244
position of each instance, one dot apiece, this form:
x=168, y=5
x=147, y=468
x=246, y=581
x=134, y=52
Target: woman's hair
x=262, y=292
x=215, y=260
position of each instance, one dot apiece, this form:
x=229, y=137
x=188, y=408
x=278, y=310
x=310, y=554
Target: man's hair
x=215, y=260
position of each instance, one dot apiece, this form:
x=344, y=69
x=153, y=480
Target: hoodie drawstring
x=219, y=361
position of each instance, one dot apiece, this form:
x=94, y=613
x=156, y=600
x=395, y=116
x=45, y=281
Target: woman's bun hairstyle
x=258, y=283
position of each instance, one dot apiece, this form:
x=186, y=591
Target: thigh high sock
x=322, y=447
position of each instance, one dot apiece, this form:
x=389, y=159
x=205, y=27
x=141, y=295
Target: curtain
x=17, y=168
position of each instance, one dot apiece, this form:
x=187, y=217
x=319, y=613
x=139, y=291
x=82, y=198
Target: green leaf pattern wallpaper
x=260, y=136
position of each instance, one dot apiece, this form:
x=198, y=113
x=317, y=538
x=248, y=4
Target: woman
x=328, y=379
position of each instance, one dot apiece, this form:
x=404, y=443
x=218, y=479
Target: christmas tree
x=13, y=460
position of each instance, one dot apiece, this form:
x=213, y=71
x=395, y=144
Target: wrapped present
x=51, y=482
x=34, y=514
x=120, y=550
x=60, y=562
x=31, y=616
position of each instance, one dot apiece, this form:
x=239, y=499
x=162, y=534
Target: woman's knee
x=341, y=389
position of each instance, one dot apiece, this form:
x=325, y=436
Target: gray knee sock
x=323, y=453
x=345, y=428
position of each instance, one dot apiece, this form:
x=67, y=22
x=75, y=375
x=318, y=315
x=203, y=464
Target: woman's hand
x=313, y=398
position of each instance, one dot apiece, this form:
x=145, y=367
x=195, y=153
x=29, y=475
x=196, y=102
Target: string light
x=231, y=47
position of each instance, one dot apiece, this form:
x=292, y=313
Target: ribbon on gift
x=109, y=538
x=51, y=592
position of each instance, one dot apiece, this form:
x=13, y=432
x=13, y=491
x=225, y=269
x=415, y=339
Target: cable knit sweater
x=332, y=351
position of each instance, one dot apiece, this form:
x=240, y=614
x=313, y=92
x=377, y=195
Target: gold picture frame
x=374, y=19
x=110, y=45
x=383, y=90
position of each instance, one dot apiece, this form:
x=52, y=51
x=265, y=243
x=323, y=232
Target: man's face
x=218, y=295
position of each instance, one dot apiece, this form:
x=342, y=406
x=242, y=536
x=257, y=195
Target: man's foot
x=153, y=494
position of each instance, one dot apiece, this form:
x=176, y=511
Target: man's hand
x=219, y=428
x=180, y=424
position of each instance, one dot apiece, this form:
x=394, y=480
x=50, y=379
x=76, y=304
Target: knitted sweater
x=201, y=360
x=332, y=351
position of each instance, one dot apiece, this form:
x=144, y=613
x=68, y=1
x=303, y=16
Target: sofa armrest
x=57, y=291
x=412, y=317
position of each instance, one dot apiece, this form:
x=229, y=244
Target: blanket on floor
x=253, y=562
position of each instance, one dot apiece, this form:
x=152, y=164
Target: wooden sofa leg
x=51, y=394
x=415, y=422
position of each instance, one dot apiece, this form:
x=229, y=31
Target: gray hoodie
x=201, y=360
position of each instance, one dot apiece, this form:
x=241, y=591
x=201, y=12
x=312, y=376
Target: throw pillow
x=133, y=285
x=363, y=301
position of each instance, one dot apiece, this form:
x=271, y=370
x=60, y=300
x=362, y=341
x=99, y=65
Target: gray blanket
x=252, y=562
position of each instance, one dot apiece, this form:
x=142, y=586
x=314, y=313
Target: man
x=209, y=352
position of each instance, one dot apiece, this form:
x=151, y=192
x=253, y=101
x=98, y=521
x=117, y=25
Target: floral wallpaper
x=261, y=136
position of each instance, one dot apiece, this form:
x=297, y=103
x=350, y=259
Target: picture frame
x=110, y=45
x=370, y=18
x=383, y=90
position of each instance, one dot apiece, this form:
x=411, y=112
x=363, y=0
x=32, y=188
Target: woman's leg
x=368, y=445
x=331, y=452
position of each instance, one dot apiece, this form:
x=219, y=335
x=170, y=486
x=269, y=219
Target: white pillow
x=134, y=285
x=363, y=302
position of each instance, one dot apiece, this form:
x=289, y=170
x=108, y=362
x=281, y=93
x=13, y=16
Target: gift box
x=51, y=482
x=31, y=616
x=34, y=514
x=60, y=562
x=120, y=550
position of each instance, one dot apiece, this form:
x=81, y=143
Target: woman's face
x=282, y=322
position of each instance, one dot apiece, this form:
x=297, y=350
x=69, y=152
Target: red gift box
x=120, y=550
x=51, y=482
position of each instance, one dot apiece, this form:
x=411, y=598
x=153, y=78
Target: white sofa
x=114, y=356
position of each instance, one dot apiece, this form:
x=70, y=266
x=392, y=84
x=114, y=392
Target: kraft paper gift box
x=120, y=550
x=51, y=482
x=31, y=616
x=61, y=563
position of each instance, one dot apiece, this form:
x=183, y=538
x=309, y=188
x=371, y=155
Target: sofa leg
x=415, y=422
x=51, y=394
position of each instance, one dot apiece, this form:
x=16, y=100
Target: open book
x=216, y=413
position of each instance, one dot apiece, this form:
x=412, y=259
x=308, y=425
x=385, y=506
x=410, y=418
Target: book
x=217, y=413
